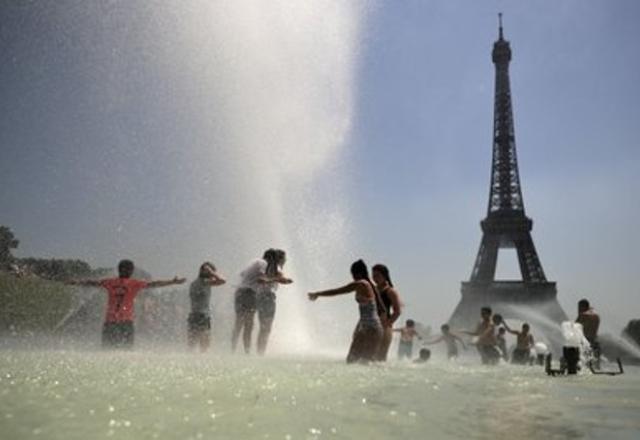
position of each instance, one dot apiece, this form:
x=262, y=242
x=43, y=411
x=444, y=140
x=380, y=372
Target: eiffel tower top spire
x=505, y=194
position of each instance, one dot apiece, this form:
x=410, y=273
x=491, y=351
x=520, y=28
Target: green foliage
x=31, y=304
x=7, y=242
x=57, y=269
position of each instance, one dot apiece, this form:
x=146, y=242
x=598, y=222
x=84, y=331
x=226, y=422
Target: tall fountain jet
x=507, y=226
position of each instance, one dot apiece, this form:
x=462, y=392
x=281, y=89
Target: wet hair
x=271, y=257
x=359, y=270
x=497, y=319
x=281, y=256
x=501, y=330
x=384, y=271
x=125, y=268
x=424, y=353
x=486, y=309
x=525, y=325
x=410, y=323
x=584, y=304
x=444, y=327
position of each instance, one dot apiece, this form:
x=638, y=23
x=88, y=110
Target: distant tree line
x=48, y=268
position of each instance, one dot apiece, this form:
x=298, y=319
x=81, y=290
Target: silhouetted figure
x=118, y=329
x=368, y=331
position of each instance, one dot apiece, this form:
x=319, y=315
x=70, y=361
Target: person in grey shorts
x=199, y=321
x=257, y=293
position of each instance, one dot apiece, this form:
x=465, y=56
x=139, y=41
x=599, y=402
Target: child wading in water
x=522, y=352
x=118, y=330
x=450, y=340
x=407, y=333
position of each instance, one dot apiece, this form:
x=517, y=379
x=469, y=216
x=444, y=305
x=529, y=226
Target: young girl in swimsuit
x=368, y=332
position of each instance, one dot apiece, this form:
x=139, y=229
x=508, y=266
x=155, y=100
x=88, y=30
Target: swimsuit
x=367, y=334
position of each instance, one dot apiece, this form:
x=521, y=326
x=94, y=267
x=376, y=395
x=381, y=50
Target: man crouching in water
x=118, y=331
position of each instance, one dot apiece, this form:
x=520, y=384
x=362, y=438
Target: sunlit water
x=144, y=395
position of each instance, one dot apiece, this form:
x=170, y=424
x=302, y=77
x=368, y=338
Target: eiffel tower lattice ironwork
x=506, y=225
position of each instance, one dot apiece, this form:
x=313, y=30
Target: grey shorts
x=245, y=301
x=266, y=305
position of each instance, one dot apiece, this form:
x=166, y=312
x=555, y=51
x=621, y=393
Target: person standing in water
x=407, y=333
x=253, y=279
x=199, y=321
x=524, y=344
x=392, y=307
x=368, y=331
x=450, y=340
x=485, y=332
x=266, y=295
x=118, y=329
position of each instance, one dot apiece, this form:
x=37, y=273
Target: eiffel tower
x=533, y=298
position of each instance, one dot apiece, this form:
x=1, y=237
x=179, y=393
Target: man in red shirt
x=118, y=328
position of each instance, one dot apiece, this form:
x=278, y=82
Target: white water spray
x=263, y=95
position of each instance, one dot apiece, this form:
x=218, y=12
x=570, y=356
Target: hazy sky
x=106, y=134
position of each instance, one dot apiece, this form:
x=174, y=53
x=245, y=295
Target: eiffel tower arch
x=533, y=298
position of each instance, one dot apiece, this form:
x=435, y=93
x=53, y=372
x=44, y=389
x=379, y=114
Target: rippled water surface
x=82, y=395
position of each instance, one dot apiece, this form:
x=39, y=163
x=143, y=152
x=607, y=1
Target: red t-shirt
x=122, y=292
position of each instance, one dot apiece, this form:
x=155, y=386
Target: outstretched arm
x=278, y=278
x=351, y=287
x=459, y=339
x=164, y=283
x=507, y=328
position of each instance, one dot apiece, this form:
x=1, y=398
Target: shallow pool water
x=152, y=395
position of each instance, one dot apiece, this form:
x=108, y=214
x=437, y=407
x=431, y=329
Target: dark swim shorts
x=117, y=334
x=198, y=322
x=266, y=305
x=245, y=301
